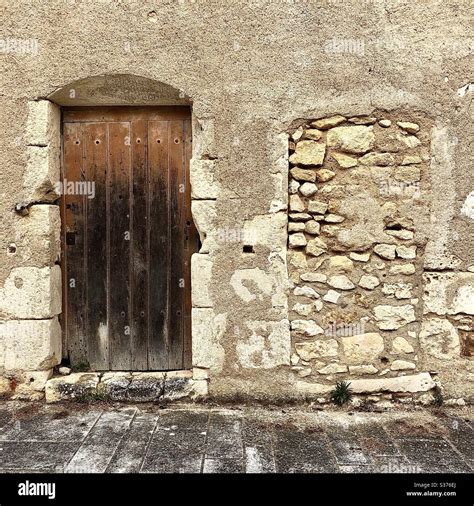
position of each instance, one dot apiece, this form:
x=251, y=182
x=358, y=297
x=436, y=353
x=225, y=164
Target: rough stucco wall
x=255, y=67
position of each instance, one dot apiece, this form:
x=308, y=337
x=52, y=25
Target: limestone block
x=296, y=227
x=332, y=296
x=360, y=257
x=341, y=282
x=37, y=238
x=399, y=290
x=42, y=174
x=204, y=184
x=308, y=152
x=344, y=161
x=329, y=122
x=449, y=293
x=351, y=139
x=363, y=369
x=31, y=292
x=314, y=277
x=208, y=329
x=201, y=270
x=204, y=215
x=400, y=345
x=316, y=247
x=379, y=159
x=297, y=240
x=369, y=282
x=339, y=264
x=203, y=138
x=293, y=187
x=402, y=365
x=306, y=291
x=306, y=327
x=36, y=380
x=317, y=349
x=439, y=338
x=415, y=383
x=324, y=175
x=406, y=269
x=312, y=227
x=30, y=345
x=43, y=124
x=411, y=128
x=303, y=309
x=386, y=251
x=268, y=346
x=76, y=386
x=363, y=348
x=308, y=189
x=296, y=204
x=333, y=369
x=394, y=317
x=313, y=133
x=303, y=174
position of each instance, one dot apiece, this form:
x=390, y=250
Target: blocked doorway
x=127, y=237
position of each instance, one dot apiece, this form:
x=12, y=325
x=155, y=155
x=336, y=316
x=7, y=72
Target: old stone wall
x=259, y=75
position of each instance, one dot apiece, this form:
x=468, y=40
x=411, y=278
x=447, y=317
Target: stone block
x=201, y=270
x=204, y=184
x=207, y=330
x=43, y=124
x=30, y=345
x=41, y=174
x=415, y=383
x=31, y=292
x=76, y=386
x=37, y=238
x=204, y=215
x=363, y=348
x=351, y=139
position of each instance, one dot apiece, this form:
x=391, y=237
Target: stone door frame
x=43, y=172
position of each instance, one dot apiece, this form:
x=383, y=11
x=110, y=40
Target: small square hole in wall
x=248, y=248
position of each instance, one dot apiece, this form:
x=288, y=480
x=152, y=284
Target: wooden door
x=128, y=237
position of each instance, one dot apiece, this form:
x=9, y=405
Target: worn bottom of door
x=128, y=237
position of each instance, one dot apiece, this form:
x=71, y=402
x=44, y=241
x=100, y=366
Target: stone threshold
x=128, y=386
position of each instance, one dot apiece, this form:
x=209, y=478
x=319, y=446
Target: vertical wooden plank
x=74, y=243
x=95, y=146
x=190, y=247
x=177, y=208
x=119, y=321
x=139, y=274
x=159, y=244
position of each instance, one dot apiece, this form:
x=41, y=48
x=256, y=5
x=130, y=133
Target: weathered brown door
x=128, y=237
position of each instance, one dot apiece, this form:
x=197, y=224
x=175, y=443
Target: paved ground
x=78, y=438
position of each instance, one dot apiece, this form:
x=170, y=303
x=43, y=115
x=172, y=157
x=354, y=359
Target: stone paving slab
x=100, y=438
